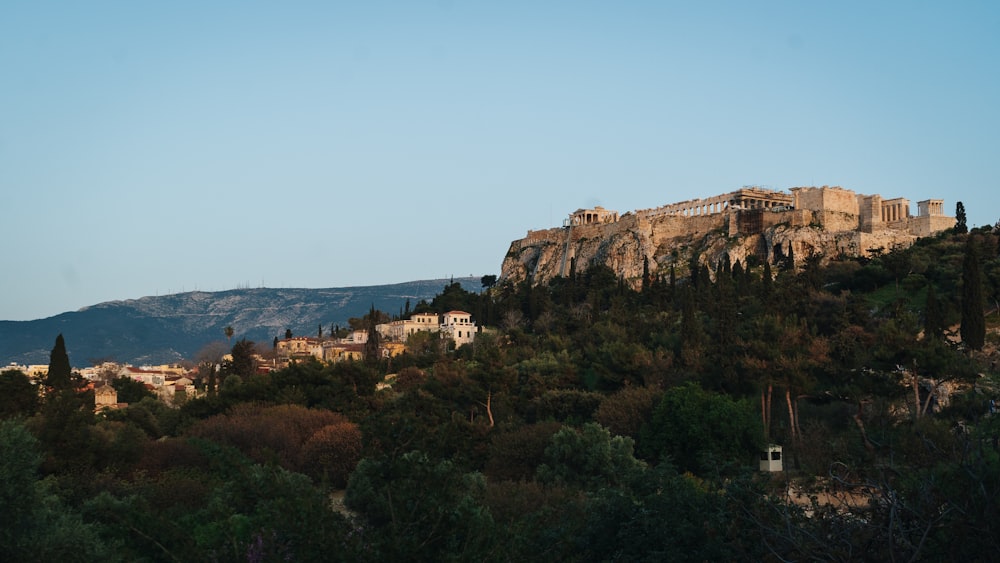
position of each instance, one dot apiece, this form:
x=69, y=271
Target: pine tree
x=244, y=362
x=973, y=328
x=60, y=374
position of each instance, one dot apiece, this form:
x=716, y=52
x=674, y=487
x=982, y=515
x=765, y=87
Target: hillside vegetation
x=591, y=422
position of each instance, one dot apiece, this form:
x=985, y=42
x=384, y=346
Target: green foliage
x=961, y=225
x=130, y=390
x=18, y=395
x=515, y=453
x=588, y=458
x=973, y=322
x=657, y=516
x=520, y=448
x=34, y=524
x=567, y=405
x=702, y=432
x=421, y=509
x=244, y=361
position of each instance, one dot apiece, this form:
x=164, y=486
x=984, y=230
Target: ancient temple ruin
x=831, y=207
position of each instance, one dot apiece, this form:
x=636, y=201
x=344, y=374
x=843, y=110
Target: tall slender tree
x=933, y=314
x=961, y=227
x=973, y=327
x=373, y=344
x=60, y=374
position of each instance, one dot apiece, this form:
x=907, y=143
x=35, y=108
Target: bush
x=332, y=452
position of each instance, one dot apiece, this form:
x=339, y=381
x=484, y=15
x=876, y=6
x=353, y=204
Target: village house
x=458, y=326
x=399, y=331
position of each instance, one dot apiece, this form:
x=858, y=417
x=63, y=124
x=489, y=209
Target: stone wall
x=826, y=199
x=927, y=225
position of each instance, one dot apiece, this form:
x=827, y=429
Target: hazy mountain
x=168, y=328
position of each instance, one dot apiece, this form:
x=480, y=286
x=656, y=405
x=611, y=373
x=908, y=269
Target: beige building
x=399, y=331
x=106, y=397
x=592, y=216
x=300, y=347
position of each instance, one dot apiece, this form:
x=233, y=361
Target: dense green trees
x=244, y=361
x=592, y=421
x=35, y=525
x=702, y=432
x=18, y=395
x=973, y=322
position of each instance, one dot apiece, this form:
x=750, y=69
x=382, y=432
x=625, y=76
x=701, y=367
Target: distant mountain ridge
x=170, y=328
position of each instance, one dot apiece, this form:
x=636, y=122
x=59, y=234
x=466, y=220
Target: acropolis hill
x=827, y=221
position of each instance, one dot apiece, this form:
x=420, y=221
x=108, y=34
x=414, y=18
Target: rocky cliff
x=624, y=245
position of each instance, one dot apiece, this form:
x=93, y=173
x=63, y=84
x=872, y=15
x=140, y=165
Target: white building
x=458, y=326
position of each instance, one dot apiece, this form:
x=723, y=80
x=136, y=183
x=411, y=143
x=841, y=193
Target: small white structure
x=770, y=459
x=458, y=326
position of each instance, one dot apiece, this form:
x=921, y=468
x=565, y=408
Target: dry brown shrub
x=267, y=434
x=624, y=413
x=515, y=454
x=332, y=452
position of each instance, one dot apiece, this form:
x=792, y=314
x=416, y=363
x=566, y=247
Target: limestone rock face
x=622, y=246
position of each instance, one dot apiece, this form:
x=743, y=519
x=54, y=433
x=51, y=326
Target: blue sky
x=156, y=147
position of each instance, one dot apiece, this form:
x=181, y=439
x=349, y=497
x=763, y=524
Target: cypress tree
x=961, y=226
x=766, y=281
x=646, y=280
x=371, y=351
x=973, y=322
x=673, y=284
x=933, y=314
x=60, y=374
x=692, y=335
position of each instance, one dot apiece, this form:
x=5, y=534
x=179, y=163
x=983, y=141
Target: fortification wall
x=792, y=217
x=871, y=213
x=927, y=225
x=826, y=198
x=667, y=227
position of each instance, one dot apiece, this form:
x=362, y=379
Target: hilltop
x=170, y=328
x=750, y=225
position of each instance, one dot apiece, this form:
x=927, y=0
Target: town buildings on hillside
x=457, y=326
x=171, y=382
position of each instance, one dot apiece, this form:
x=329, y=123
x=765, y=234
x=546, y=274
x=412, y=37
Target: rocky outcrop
x=661, y=242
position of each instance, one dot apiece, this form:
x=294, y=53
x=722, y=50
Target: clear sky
x=157, y=147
